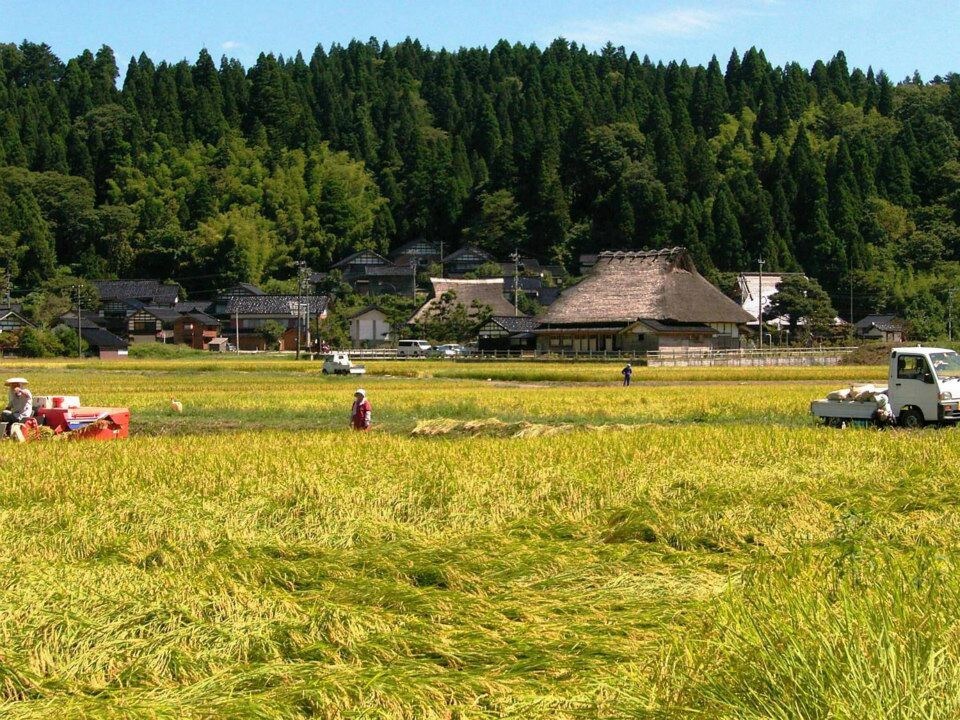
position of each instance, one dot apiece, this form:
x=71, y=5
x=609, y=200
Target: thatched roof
x=659, y=285
x=486, y=292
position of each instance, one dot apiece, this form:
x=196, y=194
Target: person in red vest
x=360, y=415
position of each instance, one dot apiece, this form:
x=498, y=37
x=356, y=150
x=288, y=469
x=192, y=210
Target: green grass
x=720, y=557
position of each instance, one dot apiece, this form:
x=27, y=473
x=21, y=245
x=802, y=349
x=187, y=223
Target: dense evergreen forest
x=209, y=173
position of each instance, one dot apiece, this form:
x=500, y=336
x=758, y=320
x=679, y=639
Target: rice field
x=520, y=547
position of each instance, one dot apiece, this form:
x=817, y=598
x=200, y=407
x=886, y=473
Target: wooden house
x=101, y=342
x=152, y=324
x=885, y=328
x=196, y=329
x=507, y=333
x=119, y=299
x=465, y=260
x=370, y=327
x=640, y=302
x=245, y=316
x=421, y=250
x=11, y=319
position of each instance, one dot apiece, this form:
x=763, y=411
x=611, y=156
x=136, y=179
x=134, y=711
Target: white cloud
x=231, y=45
x=675, y=23
x=682, y=22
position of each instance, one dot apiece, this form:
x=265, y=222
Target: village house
x=119, y=299
x=474, y=295
x=885, y=328
x=196, y=329
x=152, y=324
x=245, y=317
x=465, y=260
x=422, y=251
x=507, y=333
x=12, y=319
x=370, y=327
x=641, y=302
x=101, y=343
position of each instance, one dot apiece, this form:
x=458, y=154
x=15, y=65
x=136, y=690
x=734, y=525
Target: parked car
x=448, y=351
x=413, y=348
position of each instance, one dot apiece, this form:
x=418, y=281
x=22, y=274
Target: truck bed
x=843, y=409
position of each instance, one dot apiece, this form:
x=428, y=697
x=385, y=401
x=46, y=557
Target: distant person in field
x=360, y=414
x=19, y=403
x=627, y=374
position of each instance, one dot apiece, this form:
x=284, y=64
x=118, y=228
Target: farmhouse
x=369, y=327
x=474, y=295
x=420, y=250
x=886, y=328
x=641, y=302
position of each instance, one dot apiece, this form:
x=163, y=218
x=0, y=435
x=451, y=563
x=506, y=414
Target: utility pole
x=516, y=282
x=236, y=316
x=79, y=324
x=301, y=265
x=441, y=257
x=760, y=302
x=413, y=265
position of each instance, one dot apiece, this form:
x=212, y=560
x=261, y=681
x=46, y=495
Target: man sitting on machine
x=19, y=403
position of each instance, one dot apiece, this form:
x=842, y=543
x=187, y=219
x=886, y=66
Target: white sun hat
x=17, y=381
x=361, y=391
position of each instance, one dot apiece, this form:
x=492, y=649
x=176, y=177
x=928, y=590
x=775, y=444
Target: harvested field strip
x=493, y=427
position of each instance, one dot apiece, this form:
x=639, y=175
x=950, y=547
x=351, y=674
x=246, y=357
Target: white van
x=413, y=348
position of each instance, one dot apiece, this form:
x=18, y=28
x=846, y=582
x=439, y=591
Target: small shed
x=218, y=345
x=370, y=327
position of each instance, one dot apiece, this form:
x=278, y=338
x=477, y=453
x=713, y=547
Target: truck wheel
x=326, y=372
x=911, y=419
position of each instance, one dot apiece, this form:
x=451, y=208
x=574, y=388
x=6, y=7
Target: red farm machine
x=64, y=415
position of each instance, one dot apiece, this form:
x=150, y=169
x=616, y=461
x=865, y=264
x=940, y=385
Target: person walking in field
x=360, y=414
x=627, y=374
x=19, y=403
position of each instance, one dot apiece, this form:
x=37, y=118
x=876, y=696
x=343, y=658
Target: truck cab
x=924, y=385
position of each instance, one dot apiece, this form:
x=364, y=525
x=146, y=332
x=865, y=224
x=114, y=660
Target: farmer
x=19, y=403
x=627, y=373
x=360, y=415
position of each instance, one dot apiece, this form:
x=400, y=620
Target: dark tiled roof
x=660, y=285
x=70, y=320
x=202, y=306
x=244, y=289
x=520, y=324
x=468, y=250
x=101, y=339
x=486, y=292
x=278, y=305
x=364, y=311
x=167, y=315
x=886, y=323
x=352, y=259
x=202, y=318
x=420, y=247
x=150, y=291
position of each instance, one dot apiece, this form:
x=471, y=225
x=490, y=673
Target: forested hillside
x=210, y=173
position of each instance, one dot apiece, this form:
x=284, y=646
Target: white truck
x=923, y=387
x=339, y=363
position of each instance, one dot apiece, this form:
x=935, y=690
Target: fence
x=685, y=357
x=775, y=356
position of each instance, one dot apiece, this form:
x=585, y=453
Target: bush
x=40, y=344
x=160, y=350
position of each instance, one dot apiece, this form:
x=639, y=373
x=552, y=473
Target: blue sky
x=894, y=35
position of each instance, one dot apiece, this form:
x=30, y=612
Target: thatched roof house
x=484, y=292
x=641, y=301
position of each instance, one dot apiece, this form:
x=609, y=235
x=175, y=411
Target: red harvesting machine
x=64, y=414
